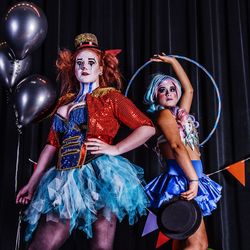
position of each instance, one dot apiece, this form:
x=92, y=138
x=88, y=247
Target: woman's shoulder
x=164, y=115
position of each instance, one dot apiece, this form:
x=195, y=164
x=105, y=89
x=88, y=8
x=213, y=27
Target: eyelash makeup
x=165, y=90
x=80, y=63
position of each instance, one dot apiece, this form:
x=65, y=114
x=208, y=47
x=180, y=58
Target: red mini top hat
x=178, y=219
x=89, y=40
x=86, y=40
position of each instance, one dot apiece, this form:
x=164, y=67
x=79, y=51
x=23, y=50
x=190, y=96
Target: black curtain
x=214, y=33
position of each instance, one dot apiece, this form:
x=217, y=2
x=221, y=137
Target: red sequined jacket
x=107, y=107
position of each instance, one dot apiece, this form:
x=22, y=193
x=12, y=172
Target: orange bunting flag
x=162, y=239
x=238, y=171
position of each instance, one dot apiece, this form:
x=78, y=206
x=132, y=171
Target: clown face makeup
x=166, y=94
x=87, y=67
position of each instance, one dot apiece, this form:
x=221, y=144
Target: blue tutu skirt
x=108, y=184
x=173, y=182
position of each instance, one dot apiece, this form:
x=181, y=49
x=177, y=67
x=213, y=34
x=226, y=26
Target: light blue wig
x=150, y=98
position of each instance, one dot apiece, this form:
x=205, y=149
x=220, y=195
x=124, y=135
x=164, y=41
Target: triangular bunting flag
x=238, y=171
x=150, y=225
x=162, y=239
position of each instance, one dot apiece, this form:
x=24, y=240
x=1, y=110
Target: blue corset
x=72, y=134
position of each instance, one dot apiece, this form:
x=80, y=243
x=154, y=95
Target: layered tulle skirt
x=173, y=182
x=108, y=184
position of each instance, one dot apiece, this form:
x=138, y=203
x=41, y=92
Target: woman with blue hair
x=178, y=144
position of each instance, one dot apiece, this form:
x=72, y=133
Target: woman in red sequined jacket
x=91, y=186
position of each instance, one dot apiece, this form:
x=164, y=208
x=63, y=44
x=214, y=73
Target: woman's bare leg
x=197, y=241
x=50, y=235
x=103, y=233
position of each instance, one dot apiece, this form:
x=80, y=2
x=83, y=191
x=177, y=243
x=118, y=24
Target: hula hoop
x=210, y=77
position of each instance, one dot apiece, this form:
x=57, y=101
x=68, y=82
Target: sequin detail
x=107, y=107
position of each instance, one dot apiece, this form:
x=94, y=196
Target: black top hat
x=178, y=219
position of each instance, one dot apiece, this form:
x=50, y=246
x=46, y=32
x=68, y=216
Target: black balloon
x=12, y=70
x=25, y=28
x=32, y=98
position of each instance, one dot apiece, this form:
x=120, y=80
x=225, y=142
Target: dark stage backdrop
x=214, y=33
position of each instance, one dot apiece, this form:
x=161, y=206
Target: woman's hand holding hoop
x=162, y=58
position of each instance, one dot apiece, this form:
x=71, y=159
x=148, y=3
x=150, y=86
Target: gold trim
x=70, y=152
x=58, y=165
x=76, y=137
x=65, y=169
x=103, y=91
x=71, y=144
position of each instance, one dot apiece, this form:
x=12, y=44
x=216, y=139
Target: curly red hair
x=65, y=64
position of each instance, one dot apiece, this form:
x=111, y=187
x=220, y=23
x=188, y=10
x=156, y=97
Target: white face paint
x=167, y=94
x=87, y=67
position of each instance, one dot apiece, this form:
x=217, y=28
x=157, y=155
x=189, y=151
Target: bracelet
x=193, y=180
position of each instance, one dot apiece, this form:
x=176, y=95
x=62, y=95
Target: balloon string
x=59, y=26
x=17, y=246
x=17, y=159
x=7, y=96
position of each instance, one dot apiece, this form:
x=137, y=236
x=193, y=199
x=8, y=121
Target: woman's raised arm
x=187, y=96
